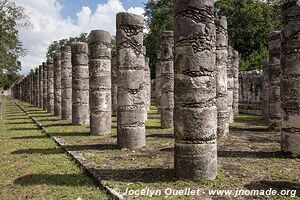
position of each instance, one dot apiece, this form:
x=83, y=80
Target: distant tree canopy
x=56, y=45
x=249, y=24
x=83, y=37
x=11, y=47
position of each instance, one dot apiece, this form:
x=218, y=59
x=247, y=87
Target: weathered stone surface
x=221, y=75
x=41, y=86
x=80, y=84
x=195, y=112
x=265, y=90
x=100, y=82
x=167, y=79
x=230, y=84
x=131, y=81
x=235, y=66
x=290, y=81
x=147, y=84
x=37, y=87
x=50, y=85
x=250, y=92
x=1, y=103
x=158, y=81
x=275, y=116
x=45, y=87
x=114, y=86
x=66, y=83
x=57, y=84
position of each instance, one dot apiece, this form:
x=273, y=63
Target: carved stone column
x=131, y=81
x=100, y=82
x=195, y=111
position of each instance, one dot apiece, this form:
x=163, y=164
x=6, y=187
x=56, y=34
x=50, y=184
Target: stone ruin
x=100, y=82
x=290, y=80
x=80, y=84
x=131, y=83
x=195, y=112
x=250, y=93
x=198, y=84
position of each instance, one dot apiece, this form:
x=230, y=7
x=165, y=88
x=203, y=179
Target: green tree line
x=11, y=48
x=249, y=24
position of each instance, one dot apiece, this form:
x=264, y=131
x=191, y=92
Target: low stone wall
x=250, y=92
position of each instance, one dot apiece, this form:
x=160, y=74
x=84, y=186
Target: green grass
x=33, y=167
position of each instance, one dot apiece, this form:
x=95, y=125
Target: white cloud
x=49, y=25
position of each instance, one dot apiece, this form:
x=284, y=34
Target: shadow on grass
x=53, y=179
x=160, y=136
x=48, y=151
x=23, y=129
x=99, y=147
x=17, y=118
x=153, y=127
x=256, y=129
x=275, y=185
x=58, y=124
x=145, y=175
x=71, y=134
x=18, y=123
x=31, y=137
x=253, y=154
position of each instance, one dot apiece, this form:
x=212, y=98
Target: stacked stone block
x=80, y=84
x=221, y=75
x=290, y=81
x=57, y=84
x=274, y=81
x=131, y=81
x=167, y=79
x=195, y=111
x=100, y=82
x=66, y=83
x=50, y=85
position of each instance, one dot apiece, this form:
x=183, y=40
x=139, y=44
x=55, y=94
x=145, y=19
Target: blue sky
x=71, y=7
x=53, y=20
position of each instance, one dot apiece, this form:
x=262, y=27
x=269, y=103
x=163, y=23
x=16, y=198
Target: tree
x=56, y=45
x=159, y=16
x=11, y=47
x=249, y=24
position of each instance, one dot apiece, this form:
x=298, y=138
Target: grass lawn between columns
x=249, y=158
x=33, y=167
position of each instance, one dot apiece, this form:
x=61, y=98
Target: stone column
x=41, y=72
x=265, y=90
x=235, y=65
x=80, y=84
x=290, y=81
x=29, y=88
x=221, y=75
x=57, y=84
x=45, y=86
x=167, y=79
x=66, y=83
x=114, y=86
x=100, y=82
x=275, y=115
x=1, y=103
x=37, y=87
x=32, y=99
x=158, y=81
x=230, y=84
x=50, y=85
x=131, y=81
x=195, y=111
x=147, y=84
